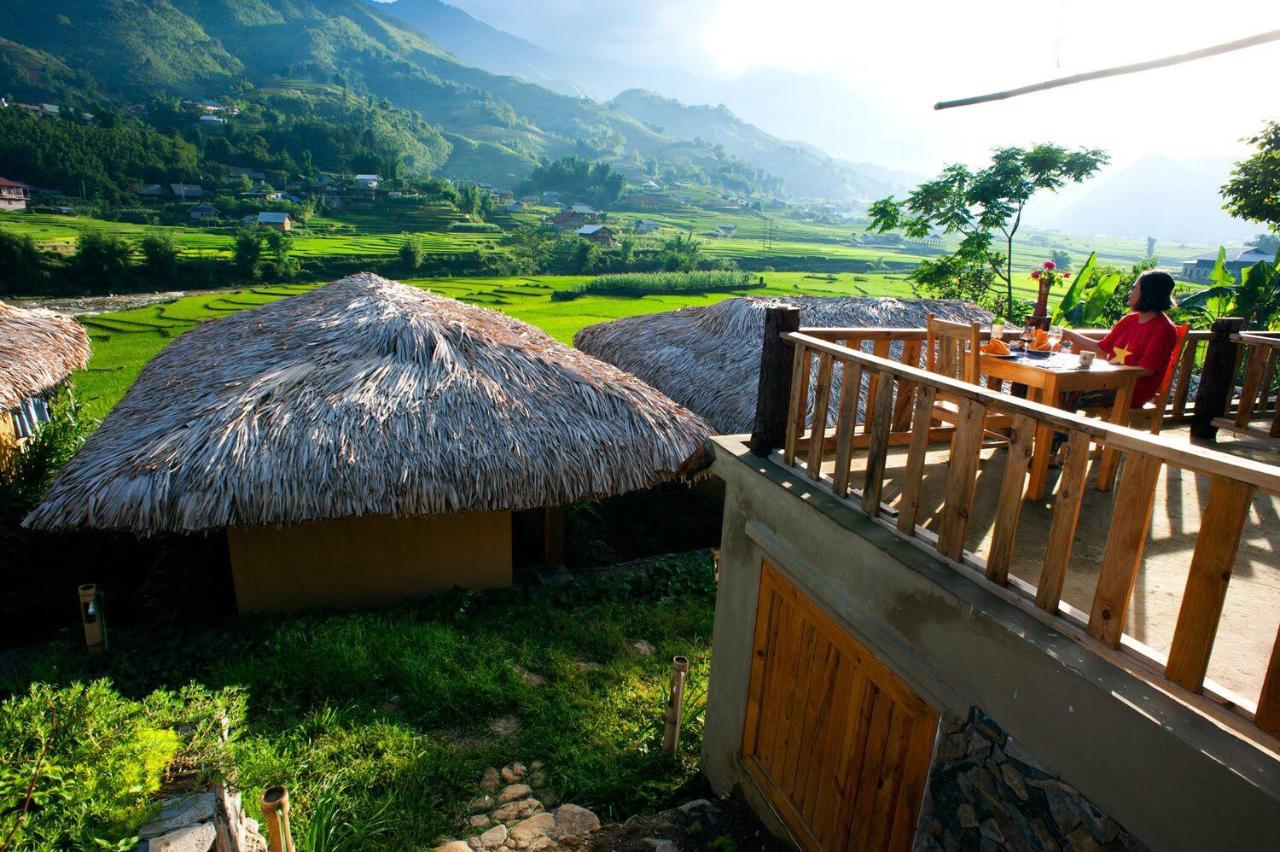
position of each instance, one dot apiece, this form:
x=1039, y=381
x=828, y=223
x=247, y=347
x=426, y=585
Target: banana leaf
x=1075, y=293
x=1101, y=293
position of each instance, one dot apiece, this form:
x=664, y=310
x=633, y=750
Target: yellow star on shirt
x=1119, y=355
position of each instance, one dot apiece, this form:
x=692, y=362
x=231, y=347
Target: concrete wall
x=1170, y=775
x=352, y=562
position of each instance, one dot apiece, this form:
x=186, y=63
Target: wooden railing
x=825, y=378
x=1238, y=374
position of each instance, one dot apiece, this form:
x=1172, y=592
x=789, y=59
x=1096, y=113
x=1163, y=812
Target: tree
x=159, y=255
x=1061, y=259
x=21, y=264
x=101, y=260
x=978, y=205
x=1151, y=247
x=1266, y=243
x=1253, y=192
x=411, y=253
x=247, y=254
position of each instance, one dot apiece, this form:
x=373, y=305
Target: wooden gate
x=838, y=743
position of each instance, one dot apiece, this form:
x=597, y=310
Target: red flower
x=1066, y=275
x=1035, y=274
x=1049, y=264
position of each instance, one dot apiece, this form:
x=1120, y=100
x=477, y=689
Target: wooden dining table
x=1047, y=378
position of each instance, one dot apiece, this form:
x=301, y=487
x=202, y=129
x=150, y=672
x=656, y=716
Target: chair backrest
x=1180, y=341
x=952, y=349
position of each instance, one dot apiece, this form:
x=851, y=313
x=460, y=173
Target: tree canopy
x=978, y=205
x=1253, y=192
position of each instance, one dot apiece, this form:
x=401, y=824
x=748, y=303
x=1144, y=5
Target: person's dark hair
x=1157, y=291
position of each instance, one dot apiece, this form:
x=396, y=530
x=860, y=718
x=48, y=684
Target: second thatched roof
x=708, y=358
x=38, y=349
x=365, y=397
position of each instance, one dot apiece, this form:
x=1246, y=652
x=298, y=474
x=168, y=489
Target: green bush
x=474, y=228
x=80, y=764
x=658, y=283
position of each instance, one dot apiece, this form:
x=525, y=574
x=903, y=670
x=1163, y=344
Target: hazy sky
x=860, y=78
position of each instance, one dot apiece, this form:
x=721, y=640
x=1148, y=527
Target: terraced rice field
x=123, y=341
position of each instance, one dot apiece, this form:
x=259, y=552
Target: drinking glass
x=1055, y=338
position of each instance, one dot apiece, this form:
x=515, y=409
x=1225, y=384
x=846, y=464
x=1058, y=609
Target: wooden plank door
x=838, y=743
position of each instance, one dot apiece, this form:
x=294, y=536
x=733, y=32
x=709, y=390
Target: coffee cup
x=1086, y=359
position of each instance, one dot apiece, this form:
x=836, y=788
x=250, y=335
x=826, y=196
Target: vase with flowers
x=1046, y=275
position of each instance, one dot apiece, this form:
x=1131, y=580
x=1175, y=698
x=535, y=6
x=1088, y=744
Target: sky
x=859, y=79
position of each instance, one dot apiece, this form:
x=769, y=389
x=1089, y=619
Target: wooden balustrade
x=822, y=418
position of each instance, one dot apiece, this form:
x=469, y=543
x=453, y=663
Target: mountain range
x=499, y=126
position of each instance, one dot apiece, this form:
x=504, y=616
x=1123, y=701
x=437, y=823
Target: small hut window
x=28, y=416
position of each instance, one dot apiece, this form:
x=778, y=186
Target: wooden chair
x=1153, y=411
x=953, y=349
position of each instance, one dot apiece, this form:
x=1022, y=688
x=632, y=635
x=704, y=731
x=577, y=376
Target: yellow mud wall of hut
x=351, y=562
x=8, y=434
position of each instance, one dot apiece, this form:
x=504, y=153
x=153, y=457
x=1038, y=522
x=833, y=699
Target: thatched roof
x=38, y=349
x=365, y=397
x=708, y=358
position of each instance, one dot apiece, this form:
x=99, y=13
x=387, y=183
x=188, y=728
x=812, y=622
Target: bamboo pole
x=95, y=624
x=675, y=704
x=1133, y=68
x=275, y=811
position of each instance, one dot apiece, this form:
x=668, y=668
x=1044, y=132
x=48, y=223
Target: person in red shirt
x=1145, y=338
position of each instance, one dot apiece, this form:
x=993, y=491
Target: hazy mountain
x=476, y=43
x=1162, y=197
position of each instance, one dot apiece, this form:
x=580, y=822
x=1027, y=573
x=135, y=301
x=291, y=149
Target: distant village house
x=205, y=213
x=365, y=183
x=1237, y=261
x=571, y=220
x=278, y=221
x=601, y=235
x=187, y=190
x=646, y=226
x=13, y=195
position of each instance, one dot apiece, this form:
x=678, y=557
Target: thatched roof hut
x=38, y=350
x=366, y=399
x=708, y=358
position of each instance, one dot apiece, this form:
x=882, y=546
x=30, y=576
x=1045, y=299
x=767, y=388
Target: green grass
x=392, y=709
x=123, y=341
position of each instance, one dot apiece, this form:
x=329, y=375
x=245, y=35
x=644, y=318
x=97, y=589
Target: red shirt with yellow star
x=1148, y=345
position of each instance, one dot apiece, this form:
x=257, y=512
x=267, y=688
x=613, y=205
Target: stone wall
x=986, y=791
x=208, y=821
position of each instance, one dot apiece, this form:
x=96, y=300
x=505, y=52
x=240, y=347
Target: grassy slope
x=391, y=709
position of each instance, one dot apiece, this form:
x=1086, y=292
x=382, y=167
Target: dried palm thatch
x=38, y=349
x=708, y=358
x=366, y=397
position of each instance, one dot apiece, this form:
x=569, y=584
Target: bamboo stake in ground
x=95, y=625
x=275, y=810
x=675, y=704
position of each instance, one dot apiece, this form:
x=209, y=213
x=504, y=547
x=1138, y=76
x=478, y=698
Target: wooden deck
x=1251, y=610
x=1175, y=568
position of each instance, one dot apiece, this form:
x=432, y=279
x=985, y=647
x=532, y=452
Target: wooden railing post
x=1217, y=378
x=773, y=395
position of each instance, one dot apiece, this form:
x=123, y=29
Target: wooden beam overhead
x=1150, y=64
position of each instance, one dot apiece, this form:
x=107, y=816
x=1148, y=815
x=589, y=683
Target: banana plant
x=1084, y=303
x=1256, y=297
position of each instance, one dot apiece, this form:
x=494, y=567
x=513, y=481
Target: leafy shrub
x=658, y=283
x=474, y=228
x=78, y=764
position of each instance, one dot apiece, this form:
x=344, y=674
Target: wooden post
x=773, y=393
x=95, y=624
x=275, y=811
x=675, y=705
x=1217, y=378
